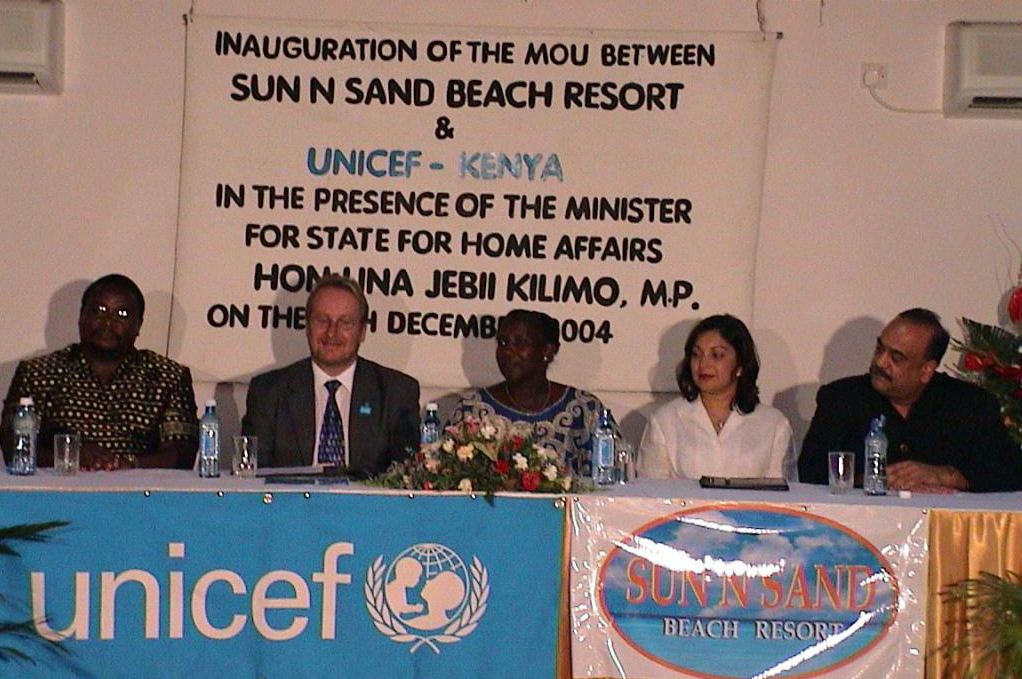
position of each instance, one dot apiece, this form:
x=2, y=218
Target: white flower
x=407, y=481
x=522, y=430
x=465, y=486
x=521, y=462
x=448, y=445
x=500, y=427
x=548, y=454
x=466, y=452
x=550, y=472
x=566, y=483
x=432, y=464
x=488, y=432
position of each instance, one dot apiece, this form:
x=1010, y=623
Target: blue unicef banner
x=189, y=584
x=728, y=591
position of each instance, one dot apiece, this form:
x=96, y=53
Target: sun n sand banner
x=671, y=588
x=612, y=180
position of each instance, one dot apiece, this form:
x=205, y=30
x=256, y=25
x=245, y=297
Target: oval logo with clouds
x=735, y=591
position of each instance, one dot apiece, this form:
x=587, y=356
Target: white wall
x=865, y=211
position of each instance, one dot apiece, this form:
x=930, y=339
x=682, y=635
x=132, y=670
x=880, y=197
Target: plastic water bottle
x=26, y=429
x=430, y=425
x=209, y=442
x=874, y=479
x=603, y=468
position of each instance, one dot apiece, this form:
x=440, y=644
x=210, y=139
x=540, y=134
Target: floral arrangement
x=992, y=358
x=482, y=456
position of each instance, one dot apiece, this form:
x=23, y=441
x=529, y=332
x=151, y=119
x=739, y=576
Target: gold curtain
x=961, y=545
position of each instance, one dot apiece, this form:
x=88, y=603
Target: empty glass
x=246, y=455
x=67, y=449
x=842, y=471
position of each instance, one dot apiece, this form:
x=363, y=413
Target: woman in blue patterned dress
x=558, y=416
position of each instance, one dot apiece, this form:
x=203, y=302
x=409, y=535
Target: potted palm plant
x=990, y=644
x=24, y=630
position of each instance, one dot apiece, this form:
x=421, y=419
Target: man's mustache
x=875, y=371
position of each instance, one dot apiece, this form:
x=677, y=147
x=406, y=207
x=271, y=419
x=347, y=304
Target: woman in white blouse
x=718, y=427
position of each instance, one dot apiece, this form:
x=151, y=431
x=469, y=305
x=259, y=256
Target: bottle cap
x=432, y=406
x=211, y=403
x=25, y=401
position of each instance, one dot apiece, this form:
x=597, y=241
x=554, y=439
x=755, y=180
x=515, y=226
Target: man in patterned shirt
x=131, y=407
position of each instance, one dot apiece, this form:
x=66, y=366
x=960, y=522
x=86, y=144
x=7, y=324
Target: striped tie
x=331, y=436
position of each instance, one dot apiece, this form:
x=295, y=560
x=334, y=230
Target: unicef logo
x=426, y=595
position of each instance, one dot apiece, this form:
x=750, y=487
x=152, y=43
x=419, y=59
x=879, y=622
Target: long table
x=203, y=577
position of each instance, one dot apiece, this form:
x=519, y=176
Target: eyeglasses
x=103, y=311
x=346, y=324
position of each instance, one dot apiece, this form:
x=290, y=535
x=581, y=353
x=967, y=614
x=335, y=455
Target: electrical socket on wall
x=874, y=75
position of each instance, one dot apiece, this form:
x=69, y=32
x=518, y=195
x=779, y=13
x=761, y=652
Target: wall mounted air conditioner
x=31, y=46
x=983, y=70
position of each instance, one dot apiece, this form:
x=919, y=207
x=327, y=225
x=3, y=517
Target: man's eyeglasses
x=103, y=311
x=324, y=323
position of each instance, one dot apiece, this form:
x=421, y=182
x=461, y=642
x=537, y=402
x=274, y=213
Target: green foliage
x=992, y=359
x=25, y=630
x=26, y=532
x=1005, y=345
x=993, y=624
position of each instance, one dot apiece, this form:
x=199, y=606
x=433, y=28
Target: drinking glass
x=246, y=455
x=67, y=449
x=626, y=459
x=842, y=471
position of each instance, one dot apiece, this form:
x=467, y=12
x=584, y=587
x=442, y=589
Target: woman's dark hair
x=548, y=327
x=737, y=335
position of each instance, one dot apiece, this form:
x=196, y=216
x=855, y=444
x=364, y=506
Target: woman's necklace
x=520, y=407
x=719, y=424
x=718, y=420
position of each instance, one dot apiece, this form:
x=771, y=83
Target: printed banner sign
x=186, y=584
x=612, y=180
x=729, y=591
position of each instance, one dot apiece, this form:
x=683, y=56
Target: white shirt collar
x=320, y=378
x=696, y=412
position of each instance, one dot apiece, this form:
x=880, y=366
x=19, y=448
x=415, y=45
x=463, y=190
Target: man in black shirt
x=943, y=434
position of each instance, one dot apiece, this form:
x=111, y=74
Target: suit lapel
x=302, y=407
x=363, y=414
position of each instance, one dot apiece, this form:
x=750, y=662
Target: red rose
x=516, y=443
x=426, y=485
x=974, y=362
x=531, y=480
x=1011, y=372
x=1015, y=305
x=502, y=466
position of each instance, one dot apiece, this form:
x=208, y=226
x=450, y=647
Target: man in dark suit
x=943, y=434
x=334, y=408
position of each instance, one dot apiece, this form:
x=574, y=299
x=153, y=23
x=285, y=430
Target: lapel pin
x=365, y=409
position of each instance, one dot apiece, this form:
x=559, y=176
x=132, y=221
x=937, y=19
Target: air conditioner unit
x=31, y=46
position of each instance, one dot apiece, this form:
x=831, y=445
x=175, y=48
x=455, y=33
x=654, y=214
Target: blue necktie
x=331, y=436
